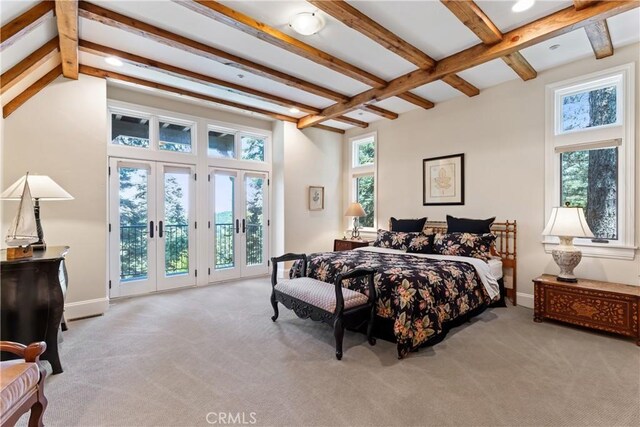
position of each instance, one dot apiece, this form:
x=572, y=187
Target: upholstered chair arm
x=30, y=353
x=353, y=274
x=285, y=258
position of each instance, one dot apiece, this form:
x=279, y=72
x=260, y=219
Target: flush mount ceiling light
x=554, y=47
x=522, y=5
x=294, y=110
x=306, y=23
x=112, y=60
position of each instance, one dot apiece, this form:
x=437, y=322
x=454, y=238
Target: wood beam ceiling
x=545, y=28
x=477, y=21
x=67, y=22
x=248, y=25
x=97, y=72
x=353, y=18
x=134, y=26
x=140, y=61
x=18, y=27
x=581, y=4
x=22, y=69
x=600, y=39
x=28, y=93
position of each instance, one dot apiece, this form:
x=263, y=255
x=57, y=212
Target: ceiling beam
x=248, y=25
x=353, y=18
x=97, y=72
x=22, y=69
x=140, y=61
x=600, y=39
x=477, y=21
x=556, y=24
x=225, y=15
x=461, y=84
x=417, y=100
x=116, y=20
x=581, y=4
x=374, y=109
x=29, y=92
x=330, y=129
x=67, y=22
x=18, y=27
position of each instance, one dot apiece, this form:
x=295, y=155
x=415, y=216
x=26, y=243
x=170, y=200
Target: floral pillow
x=421, y=244
x=464, y=244
x=394, y=239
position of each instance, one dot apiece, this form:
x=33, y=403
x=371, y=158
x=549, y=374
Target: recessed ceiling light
x=306, y=23
x=554, y=46
x=294, y=110
x=112, y=60
x=522, y=5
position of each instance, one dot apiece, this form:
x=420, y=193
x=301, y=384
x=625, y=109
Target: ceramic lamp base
x=567, y=257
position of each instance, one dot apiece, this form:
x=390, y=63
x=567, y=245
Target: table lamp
x=356, y=211
x=567, y=223
x=42, y=188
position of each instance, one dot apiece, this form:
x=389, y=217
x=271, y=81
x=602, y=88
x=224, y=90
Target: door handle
x=151, y=229
x=237, y=226
x=243, y=227
x=160, y=229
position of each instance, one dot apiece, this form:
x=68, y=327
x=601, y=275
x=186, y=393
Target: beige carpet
x=172, y=358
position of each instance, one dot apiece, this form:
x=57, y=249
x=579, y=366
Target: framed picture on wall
x=443, y=180
x=316, y=198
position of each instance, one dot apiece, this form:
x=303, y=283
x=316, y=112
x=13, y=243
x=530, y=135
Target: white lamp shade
x=567, y=222
x=355, y=209
x=306, y=23
x=42, y=187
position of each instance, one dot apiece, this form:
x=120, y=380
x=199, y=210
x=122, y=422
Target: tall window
x=363, y=177
x=590, y=152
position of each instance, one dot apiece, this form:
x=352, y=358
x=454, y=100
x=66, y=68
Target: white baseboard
x=80, y=309
x=525, y=300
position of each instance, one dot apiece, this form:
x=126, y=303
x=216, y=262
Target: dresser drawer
x=347, y=245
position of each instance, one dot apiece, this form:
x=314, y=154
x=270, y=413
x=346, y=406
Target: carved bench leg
x=274, y=304
x=338, y=332
x=370, y=337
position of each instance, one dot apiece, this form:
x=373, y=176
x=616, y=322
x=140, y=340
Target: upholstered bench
x=326, y=302
x=22, y=383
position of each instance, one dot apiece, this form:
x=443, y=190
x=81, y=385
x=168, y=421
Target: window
x=252, y=148
x=174, y=137
x=222, y=144
x=590, y=157
x=363, y=177
x=129, y=130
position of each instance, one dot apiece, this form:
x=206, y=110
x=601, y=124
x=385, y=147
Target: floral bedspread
x=420, y=294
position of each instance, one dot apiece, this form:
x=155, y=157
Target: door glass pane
x=176, y=222
x=252, y=148
x=589, y=109
x=224, y=214
x=589, y=180
x=130, y=131
x=133, y=191
x=175, y=137
x=254, y=219
x=221, y=144
x=364, y=192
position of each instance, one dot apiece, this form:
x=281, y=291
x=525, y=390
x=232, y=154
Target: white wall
x=501, y=132
x=60, y=132
x=312, y=157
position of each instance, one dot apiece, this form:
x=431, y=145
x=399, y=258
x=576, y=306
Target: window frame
x=182, y=122
x=357, y=171
x=620, y=134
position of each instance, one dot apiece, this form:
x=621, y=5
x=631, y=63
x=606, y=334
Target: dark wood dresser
x=611, y=307
x=347, y=245
x=32, y=300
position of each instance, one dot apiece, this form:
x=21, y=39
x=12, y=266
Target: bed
x=421, y=296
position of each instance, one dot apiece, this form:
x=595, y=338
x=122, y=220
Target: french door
x=239, y=223
x=152, y=226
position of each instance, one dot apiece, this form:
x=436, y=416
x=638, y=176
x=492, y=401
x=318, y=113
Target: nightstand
x=610, y=307
x=347, y=244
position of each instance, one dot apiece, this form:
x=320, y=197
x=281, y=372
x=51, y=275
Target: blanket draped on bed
x=421, y=295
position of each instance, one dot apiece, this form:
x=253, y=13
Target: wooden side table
x=347, y=244
x=610, y=307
